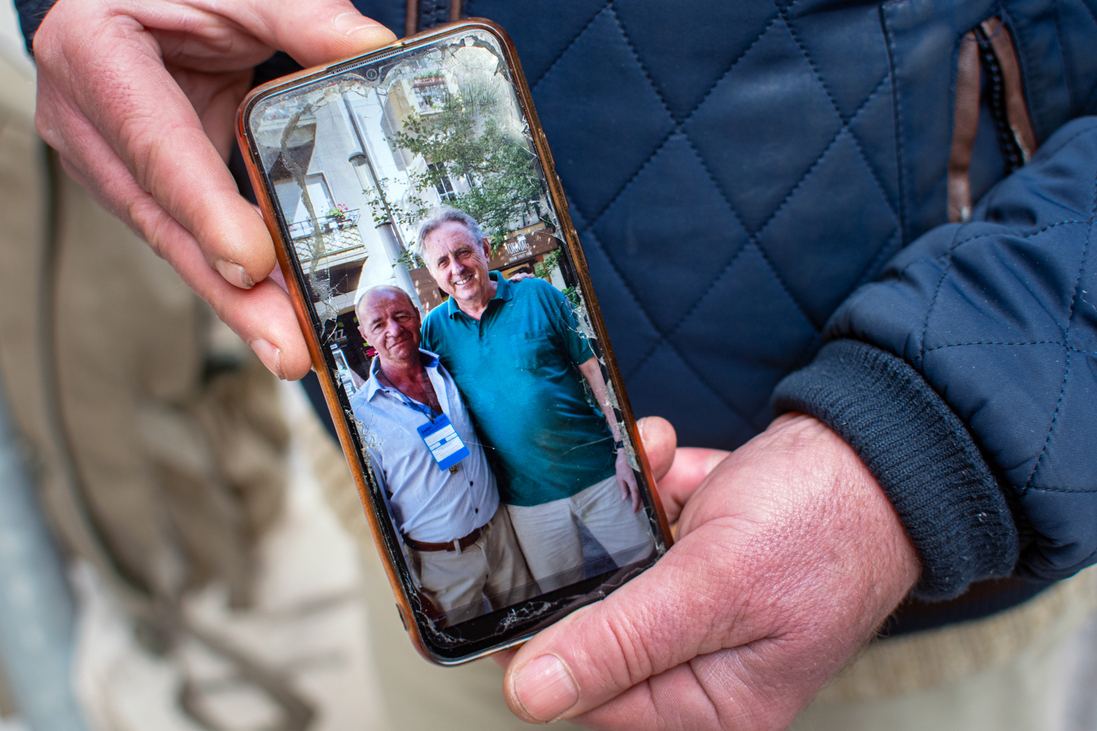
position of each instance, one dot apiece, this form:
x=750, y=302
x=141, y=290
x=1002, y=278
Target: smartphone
x=425, y=239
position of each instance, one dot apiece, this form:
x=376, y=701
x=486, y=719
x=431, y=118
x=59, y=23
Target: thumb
x=646, y=627
x=315, y=33
x=690, y=467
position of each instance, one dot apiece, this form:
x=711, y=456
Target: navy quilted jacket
x=761, y=191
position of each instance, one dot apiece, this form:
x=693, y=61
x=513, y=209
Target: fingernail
x=269, y=355
x=349, y=23
x=545, y=688
x=234, y=274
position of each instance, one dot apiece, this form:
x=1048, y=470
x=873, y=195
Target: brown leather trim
x=455, y=10
x=1016, y=108
x=464, y=543
x=965, y=123
x=411, y=18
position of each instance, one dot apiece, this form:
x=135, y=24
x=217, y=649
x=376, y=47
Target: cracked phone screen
x=416, y=216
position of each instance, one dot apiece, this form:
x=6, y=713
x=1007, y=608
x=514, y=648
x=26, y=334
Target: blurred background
x=169, y=554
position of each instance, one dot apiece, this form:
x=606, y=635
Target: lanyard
x=423, y=409
x=440, y=436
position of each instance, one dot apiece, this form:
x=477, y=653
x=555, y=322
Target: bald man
x=425, y=453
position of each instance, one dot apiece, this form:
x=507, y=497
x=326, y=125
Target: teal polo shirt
x=517, y=369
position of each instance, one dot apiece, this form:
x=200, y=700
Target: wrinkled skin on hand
x=139, y=97
x=788, y=556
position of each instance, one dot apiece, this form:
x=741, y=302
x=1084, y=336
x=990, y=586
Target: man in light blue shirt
x=415, y=428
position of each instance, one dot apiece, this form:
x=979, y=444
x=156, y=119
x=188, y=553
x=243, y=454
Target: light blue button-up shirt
x=428, y=503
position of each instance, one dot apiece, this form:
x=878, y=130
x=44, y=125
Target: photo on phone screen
x=456, y=331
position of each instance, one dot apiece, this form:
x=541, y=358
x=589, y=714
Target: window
x=430, y=93
x=289, y=195
x=444, y=186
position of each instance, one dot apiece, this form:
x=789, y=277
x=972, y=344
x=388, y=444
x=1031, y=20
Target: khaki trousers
x=491, y=570
x=550, y=537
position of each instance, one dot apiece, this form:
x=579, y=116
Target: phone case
x=349, y=162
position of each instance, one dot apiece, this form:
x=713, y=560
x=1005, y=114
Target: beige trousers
x=491, y=571
x=550, y=537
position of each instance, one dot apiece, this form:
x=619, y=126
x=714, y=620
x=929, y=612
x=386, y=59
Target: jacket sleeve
x=966, y=378
x=31, y=13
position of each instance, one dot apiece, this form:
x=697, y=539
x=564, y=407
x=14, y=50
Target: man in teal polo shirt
x=518, y=357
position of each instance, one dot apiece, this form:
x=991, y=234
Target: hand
x=626, y=480
x=139, y=98
x=788, y=557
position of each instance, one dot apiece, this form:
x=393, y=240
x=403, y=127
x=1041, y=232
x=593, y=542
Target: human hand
x=139, y=97
x=626, y=480
x=788, y=556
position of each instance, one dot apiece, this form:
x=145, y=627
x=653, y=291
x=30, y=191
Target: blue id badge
x=444, y=443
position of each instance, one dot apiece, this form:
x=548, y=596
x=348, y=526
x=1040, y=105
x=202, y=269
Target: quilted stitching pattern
x=1050, y=324
x=1077, y=22
x=1000, y=317
x=711, y=329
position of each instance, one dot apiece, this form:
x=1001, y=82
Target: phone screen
x=472, y=377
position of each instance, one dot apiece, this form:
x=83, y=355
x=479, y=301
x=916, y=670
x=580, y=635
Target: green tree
x=464, y=139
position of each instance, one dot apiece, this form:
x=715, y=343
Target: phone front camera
x=371, y=74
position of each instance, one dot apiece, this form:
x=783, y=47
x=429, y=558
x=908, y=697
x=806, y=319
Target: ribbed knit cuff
x=921, y=454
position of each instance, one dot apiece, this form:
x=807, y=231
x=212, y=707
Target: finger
x=659, y=439
x=312, y=33
x=703, y=694
x=641, y=630
x=118, y=81
x=114, y=89
x=690, y=467
x=503, y=658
